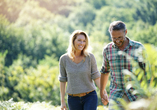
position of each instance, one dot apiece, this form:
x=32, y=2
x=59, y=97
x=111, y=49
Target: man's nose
x=117, y=41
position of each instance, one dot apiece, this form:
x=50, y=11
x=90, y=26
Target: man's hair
x=117, y=25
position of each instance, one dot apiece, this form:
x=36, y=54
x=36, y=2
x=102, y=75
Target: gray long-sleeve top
x=78, y=76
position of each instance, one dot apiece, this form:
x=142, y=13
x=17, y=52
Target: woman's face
x=80, y=42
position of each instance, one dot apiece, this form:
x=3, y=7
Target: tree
x=147, y=35
x=147, y=11
x=97, y=3
x=81, y=15
x=11, y=8
x=10, y=40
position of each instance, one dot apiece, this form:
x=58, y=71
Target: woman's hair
x=71, y=49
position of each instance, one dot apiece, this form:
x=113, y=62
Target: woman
x=78, y=68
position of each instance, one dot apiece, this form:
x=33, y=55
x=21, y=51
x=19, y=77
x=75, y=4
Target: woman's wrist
x=103, y=92
x=62, y=101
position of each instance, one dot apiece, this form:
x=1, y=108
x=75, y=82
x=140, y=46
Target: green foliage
x=152, y=64
x=27, y=16
x=36, y=41
x=24, y=61
x=49, y=61
x=144, y=82
x=39, y=23
x=10, y=40
x=35, y=33
x=81, y=15
x=63, y=7
x=11, y=8
x=98, y=3
x=147, y=35
x=40, y=84
x=11, y=105
x=109, y=14
x=4, y=90
x=146, y=10
x=30, y=84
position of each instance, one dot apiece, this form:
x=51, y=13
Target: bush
x=11, y=105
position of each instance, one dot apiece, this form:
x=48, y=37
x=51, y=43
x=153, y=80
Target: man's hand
x=63, y=106
x=104, y=97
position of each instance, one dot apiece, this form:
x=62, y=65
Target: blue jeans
x=87, y=102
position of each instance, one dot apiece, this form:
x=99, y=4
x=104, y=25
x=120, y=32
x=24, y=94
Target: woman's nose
x=81, y=42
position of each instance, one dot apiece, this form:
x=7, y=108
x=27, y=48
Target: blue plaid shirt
x=114, y=63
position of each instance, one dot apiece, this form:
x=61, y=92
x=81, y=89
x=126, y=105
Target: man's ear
x=125, y=31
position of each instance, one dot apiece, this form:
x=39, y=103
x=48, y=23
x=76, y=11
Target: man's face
x=118, y=37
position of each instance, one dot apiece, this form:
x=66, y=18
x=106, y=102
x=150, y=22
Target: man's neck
x=126, y=42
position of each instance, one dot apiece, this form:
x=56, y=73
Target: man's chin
x=118, y=45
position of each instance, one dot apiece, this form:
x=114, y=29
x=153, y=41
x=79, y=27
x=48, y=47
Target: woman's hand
x=104, y=97
x=63, y=106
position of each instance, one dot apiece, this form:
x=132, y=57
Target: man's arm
x=103, y=92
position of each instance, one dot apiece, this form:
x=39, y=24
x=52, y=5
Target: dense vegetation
x=35, y=33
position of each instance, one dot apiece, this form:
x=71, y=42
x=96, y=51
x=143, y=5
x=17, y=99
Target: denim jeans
x=87, y=102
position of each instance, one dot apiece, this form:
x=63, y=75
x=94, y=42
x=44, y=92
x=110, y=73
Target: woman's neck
x=78, y=53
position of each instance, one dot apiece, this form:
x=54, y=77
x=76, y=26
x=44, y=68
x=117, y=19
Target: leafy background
x=35, y=33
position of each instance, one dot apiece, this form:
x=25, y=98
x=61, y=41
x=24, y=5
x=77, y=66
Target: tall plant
x=143, y=81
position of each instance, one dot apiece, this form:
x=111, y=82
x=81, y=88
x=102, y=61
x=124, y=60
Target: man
x=114, y=63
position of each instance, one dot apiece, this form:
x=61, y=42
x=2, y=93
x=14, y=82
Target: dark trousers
x=87, y=102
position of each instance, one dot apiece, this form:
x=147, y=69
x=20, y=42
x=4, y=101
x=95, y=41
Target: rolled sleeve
x=62, y=71
x=63, y=79
x=94, y=70
x=105, y=65
x=95, y=75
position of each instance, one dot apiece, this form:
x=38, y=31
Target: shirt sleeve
x=62, y=71
x=94, y=70
x=105, y=65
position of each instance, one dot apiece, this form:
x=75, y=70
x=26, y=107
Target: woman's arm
x=103, y=92
x=62, y=94
x=97, y=82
